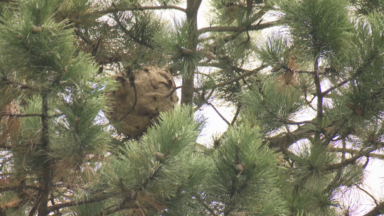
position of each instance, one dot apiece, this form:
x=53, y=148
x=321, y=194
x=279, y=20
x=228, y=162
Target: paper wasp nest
x=135, y=106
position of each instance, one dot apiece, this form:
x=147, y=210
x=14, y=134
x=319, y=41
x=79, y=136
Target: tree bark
x=46, y=178
x=188, y=80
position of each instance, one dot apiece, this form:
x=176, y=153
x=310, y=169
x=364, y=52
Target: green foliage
x=162, y=164
x=319, y=27
x=44, y=43
x=238, y=12
x=273, y=51
x=367, y=7
x=308, y=119
x=245, y=172
x=76, y=134
x=177, y=42
x=273, y=103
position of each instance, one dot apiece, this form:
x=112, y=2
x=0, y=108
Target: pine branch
x=336, y=179
x=239, y=29
x=113, y=210
x=47, y=172
x=173, y=90
x=201, y=201
x=370, y=195
x=353, y=151
x=236, y=115
x=82, y=36
x=5, y=146
x=349, y=161
x=284, y=140
x=246, y=74
x=137, y=8
x=35, y=205
x=358, y=71
x=128, y=33
x=289, y=122
x=237, y=70
x=75, y=203
x=221, y=116
x=328, y=137
x=19, y=85
x=29, y=187
x=188, y=81
x=334, y=87
x=319, y=96
x=133, y=197
x=235, y=190
x=307, y=72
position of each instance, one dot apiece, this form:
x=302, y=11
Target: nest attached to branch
x=139, y=100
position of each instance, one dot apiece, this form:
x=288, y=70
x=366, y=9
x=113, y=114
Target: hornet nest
x=139, y=100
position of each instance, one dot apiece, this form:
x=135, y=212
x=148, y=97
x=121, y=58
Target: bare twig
x=248, y=73
x=75, y=203
x=334, y=87
x=221, y=116
x=128, y=33
x=236, y=115
x=205, y=205
x=319, y=96
x=173, y=90
x=349, y=161
x=370, y=195
x=239, y=29
x=27, y=187
x=353, y=151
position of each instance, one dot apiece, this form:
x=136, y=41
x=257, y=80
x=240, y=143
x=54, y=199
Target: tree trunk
x=188, y=85
x=46, y=178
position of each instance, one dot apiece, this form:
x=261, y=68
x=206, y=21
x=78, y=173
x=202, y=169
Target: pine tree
x=60, y=155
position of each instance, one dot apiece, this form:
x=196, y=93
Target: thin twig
x=75, y=203
x=222, y=117
x=248, y=73
x=349, y=161
x=370, y=195
x=173, y=90
x=205, y=205
x=239, y=29
x=245, y=82
x=236, y=115
x=334, y=87
x=128, y=33
x=26, y=187
x=353, y=151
